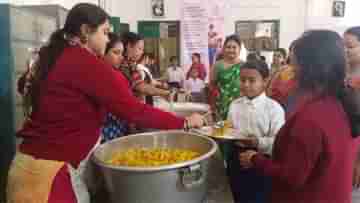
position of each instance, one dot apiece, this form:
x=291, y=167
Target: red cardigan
x=313, y=156
x=78, y=92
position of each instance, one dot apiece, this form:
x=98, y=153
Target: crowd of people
x=299, y=118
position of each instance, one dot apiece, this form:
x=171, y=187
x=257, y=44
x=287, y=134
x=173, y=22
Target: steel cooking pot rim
x=159, y=168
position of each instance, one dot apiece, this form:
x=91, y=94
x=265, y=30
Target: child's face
x=278, y=58
x=252, y=84
x=136, y=50
x=115, y=55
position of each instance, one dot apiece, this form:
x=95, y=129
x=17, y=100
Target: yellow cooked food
x=142, y=157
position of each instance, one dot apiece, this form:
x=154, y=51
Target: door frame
x=178, y=24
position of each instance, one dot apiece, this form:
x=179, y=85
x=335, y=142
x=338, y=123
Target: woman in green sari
x=226, y=77
x=225, y=84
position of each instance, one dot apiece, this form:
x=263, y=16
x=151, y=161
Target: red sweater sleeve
x=297, y=155
x=109, y=88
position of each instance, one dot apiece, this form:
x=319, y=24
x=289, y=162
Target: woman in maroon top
x=196, y=63
x=71, y=90
x=313, y=153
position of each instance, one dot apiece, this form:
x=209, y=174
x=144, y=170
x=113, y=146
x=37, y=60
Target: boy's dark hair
x=130, y=38
x=258, y=65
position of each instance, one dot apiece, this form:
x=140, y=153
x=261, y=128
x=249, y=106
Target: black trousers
x=247, y=185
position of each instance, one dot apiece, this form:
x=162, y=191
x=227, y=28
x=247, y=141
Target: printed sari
x=228, y=83
x=282, y=87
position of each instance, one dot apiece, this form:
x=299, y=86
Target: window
x=259, y=35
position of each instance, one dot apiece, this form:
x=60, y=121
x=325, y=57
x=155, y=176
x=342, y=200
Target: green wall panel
x=149, y=29
x=115, y=22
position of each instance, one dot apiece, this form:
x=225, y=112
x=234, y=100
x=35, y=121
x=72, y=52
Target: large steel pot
x=177, y=183
x=181, y=108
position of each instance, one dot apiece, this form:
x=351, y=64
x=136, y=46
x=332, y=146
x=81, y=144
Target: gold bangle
x=186, y=124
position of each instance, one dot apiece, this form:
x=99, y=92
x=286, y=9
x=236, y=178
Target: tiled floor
x=219, y=189
x=356, y=196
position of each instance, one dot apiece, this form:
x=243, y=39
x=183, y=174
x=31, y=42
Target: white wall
x=319, y=15
x=295, y=15
x=70, y=3
x=290, y=12
x=65, y=3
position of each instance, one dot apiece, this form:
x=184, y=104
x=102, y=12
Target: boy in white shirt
x=259, y=118
x=195, y=86
x=175, y=74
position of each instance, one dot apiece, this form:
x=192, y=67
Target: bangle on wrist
x=186, y=124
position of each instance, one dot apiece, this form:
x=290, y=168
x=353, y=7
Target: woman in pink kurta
x=313, y=154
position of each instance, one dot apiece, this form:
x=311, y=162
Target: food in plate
x=222, y=128
x=142, y=157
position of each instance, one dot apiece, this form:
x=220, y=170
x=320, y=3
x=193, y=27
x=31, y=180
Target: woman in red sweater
x=196, y=63
x=70, y=91
x=313, y=153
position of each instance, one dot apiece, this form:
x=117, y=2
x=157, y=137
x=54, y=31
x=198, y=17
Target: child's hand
x=353, y=82
x=246, y=158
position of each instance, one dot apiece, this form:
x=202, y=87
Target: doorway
x=162, y=39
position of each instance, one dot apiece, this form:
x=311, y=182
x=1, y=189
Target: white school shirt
x=261, y=116
x=176, y=75
x=194, y=86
